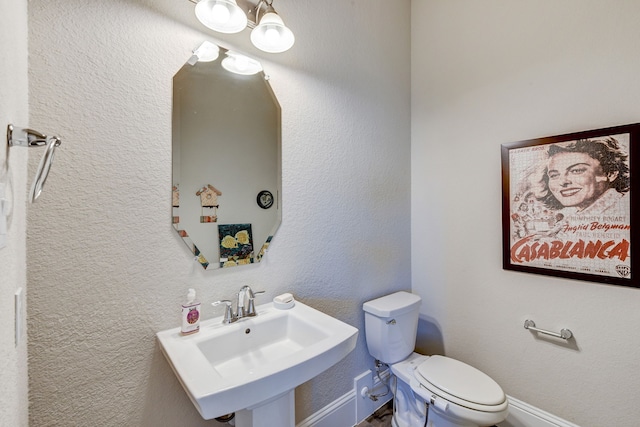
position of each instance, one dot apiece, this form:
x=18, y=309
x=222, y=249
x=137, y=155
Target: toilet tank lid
x=393, y=304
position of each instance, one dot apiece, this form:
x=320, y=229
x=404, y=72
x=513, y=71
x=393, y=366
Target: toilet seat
x=460, y=384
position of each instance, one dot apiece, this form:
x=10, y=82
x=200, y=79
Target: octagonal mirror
x=226, y=160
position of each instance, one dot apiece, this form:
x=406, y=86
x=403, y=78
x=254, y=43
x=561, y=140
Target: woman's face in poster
x=576, y=179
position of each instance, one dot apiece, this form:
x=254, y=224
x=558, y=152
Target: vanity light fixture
x=234, y=62
x=268, y=34
x=224, y=16
x=206, y=52
x=271, y=35
x=241, y=64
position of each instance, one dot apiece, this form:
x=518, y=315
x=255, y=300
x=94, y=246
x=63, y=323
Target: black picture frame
x=567, y=206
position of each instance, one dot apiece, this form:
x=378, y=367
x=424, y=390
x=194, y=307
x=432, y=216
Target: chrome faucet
x=245, y=306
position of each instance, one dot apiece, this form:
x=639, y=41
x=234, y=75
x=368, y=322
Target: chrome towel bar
x=565, y=334
x=23, y=137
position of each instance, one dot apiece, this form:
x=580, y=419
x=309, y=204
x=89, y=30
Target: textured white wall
x=497, y=71
x=13, y=173
x=106, y=271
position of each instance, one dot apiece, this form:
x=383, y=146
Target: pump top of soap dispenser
x=191, y=296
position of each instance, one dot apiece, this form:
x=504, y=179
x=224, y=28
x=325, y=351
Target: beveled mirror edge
x=198, y=255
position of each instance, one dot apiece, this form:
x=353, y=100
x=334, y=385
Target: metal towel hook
x=23, y=137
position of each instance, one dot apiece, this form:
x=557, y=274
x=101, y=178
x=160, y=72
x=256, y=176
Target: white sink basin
x=227, y=368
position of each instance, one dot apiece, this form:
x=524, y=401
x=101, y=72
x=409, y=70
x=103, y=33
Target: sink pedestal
x=279, y=411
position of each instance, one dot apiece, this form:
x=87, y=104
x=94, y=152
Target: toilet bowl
x=436, y=390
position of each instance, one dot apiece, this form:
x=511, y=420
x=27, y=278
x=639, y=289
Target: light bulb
x=272, y=35
x=220, y=13
x=241, y=62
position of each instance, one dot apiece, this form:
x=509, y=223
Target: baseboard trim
x=339, y=413
x=342, y=413
x=521, y=414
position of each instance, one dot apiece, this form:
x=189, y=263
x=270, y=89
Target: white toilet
x=458, y=395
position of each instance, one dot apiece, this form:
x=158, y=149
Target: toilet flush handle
x=391, y=322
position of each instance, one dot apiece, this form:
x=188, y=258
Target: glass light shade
x=271, y=35
x=240, y=64
x=224, y=16
x=207, y=52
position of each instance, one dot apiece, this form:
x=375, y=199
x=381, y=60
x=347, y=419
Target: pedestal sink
x=252, y=366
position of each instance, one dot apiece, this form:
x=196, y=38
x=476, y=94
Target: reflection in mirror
x=226, y=162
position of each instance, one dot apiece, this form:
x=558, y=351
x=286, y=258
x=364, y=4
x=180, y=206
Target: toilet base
x=408, y=410
x=435, y=420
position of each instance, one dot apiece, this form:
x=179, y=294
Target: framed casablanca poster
x=567, y=207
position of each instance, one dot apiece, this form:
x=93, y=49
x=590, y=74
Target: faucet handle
x=228, y=312
x=251, y=309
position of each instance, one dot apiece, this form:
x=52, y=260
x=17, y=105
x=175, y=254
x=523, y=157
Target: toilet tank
x=391, y=325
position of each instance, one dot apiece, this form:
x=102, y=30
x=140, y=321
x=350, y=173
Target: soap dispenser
x=190, y=314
